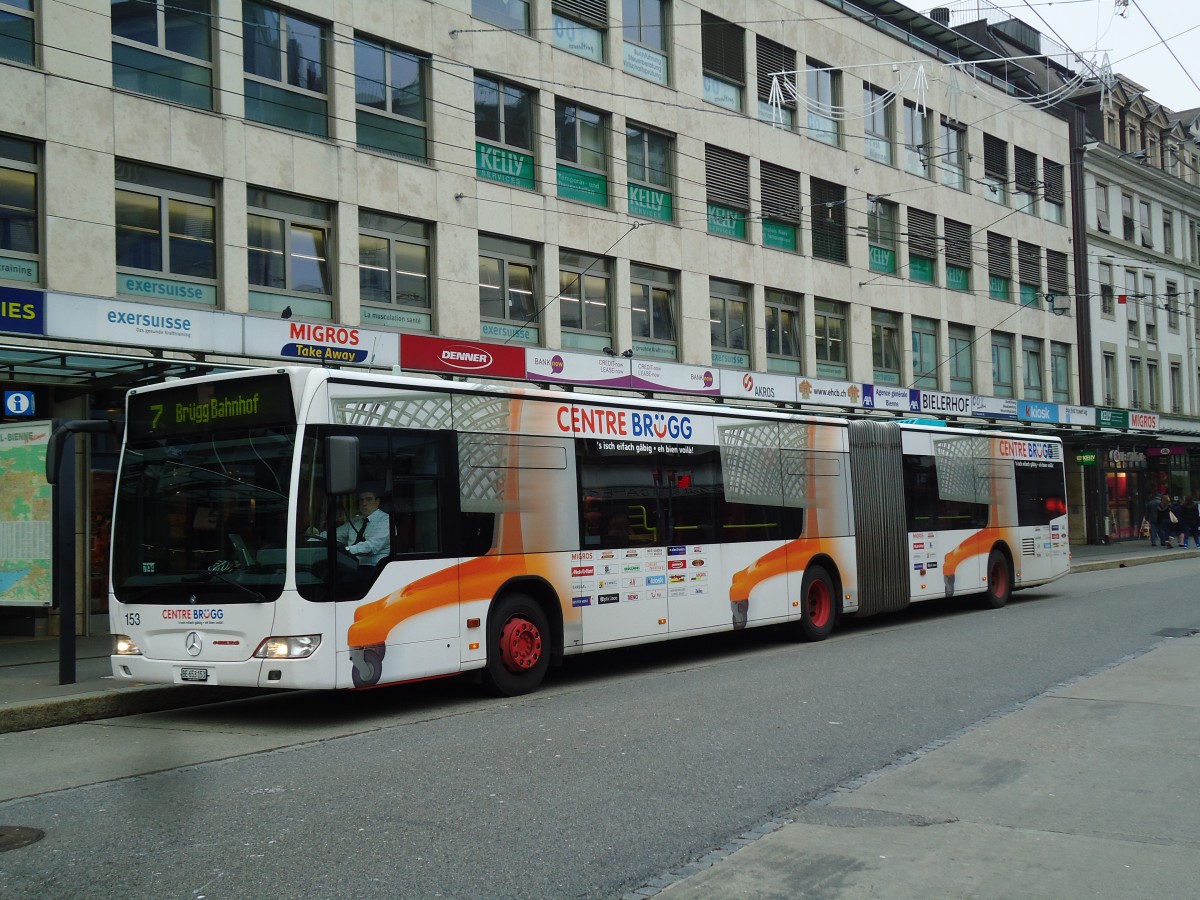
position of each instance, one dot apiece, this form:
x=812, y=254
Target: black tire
x=366, y=666
x=819, y=605
x=518, y=646
x=999, y=580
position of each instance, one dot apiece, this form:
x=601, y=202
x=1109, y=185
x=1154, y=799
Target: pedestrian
x=1151, y=518
x=1168, y=521
x=1189, y=521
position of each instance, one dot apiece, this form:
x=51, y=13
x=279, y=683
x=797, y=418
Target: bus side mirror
x=341, y=464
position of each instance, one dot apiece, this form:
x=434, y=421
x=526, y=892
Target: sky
x=1094, y=27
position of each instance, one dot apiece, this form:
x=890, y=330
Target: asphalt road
x=626, y=765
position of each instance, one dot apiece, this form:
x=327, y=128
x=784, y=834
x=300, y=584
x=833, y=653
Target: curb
x=1127, y=561
x=31, y=714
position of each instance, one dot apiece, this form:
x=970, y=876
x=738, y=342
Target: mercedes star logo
x=192, y=643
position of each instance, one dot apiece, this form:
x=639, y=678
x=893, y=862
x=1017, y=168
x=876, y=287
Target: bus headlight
x=299, y=646
x=123, y=645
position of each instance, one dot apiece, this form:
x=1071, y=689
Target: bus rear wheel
x=818, y=605
x=999, y=580
x=518, y=646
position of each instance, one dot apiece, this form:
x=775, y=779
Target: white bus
x=525, y=525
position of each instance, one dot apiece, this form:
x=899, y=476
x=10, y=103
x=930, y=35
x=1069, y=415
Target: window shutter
x=1025, y=165
x=722, y=48
x=727, y=176
x=828, y=220
x=1056, y=272
x=1052, y=181
x=1029, y=263
x=772, y=59
x=922, y=233
x=995, y=157
x=780, y=193
x=999, y=255
x=587, y=12
x=958, y=243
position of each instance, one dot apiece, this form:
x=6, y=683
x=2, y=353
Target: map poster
x=25, y=511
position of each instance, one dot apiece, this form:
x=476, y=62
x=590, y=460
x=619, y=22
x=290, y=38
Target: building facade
x=810, y=192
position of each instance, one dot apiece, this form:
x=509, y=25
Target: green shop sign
x=779, y=235
x=726, y=222
x=649, y=203
x=958, y=278
x=504, y=165
x=586, y=187
x=920, y=268
x=1085, y=458
x=882, y=259
x=1112, y=418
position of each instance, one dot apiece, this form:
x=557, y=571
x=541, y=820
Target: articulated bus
x=525, y=525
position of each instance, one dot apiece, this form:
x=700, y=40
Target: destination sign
x=211, y=405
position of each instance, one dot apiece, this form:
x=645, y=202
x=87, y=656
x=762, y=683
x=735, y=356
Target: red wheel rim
x=520, y=644
x=818, y=604
x=998, y=579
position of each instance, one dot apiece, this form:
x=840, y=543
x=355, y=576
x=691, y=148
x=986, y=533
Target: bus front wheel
x=518, y=646
x=999, y=580
x=818, y=605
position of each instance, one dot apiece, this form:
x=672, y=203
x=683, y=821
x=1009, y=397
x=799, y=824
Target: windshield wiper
x=210, y=574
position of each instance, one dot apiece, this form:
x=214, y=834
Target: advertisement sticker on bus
x=627, y=426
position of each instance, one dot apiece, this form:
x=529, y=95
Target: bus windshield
x=202, y=511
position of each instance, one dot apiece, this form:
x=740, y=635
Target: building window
x=958, y=255
x=877, y=123
x=962, y=358
x=580, y=27
x=1029, y=272
x=16, y=31
x=579, y=135
x=828, y=220
x=1109, y=377
x=723, y=55
x=1056, y=273
x=1144, y=232
x=1150, y=298
x=1168, y=228
x=727, y=182
x=995, y=169
x=1101, y=194
x=389, y=89
x=916, y=139
x=824, y=103
x=584, y=299
x=19, y=211
x=653, y=305
x=1031, y=365
x=829, y=328
x=1135, y=384
x=287, y=249
x=509, y=14
x=1107, y=307
x=783, y=331
x=1176, y=386
x=999, y=266
x=1173, y=306
x=1002, y=364
x=1152, y=386
x=166, y=226
x=393, y=271
x=1054, y=192
x=164, y=50
x=953, y=155
x=648, y=166
x=1133, y=303
x=922, y=246
x=1127, y=223
x=728, y=311
x=1025, y=183
x=508, y=304
x=924, y=349
x=882, y=221
x=885, y=346
x=780, y=207
x=1060, y=372
x=773, y=59
x=284, y=59
x=504, y=116
x=644, y=25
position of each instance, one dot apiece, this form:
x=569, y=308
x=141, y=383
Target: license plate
x=193, y=674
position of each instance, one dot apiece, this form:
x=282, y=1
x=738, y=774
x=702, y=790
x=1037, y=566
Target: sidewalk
x=31, y=697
